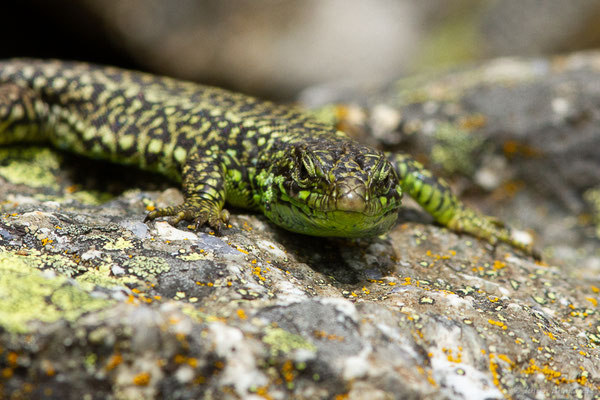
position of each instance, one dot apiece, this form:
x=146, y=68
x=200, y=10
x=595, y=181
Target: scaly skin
x=303, y=174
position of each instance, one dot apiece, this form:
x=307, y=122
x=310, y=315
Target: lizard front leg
x=435, y=196
x=204, y=189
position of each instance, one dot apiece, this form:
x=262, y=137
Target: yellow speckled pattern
x=303, y=174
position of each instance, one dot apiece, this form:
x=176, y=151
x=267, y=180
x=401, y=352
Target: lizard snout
x=351, y=196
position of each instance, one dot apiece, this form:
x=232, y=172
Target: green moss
x=592, y=197
x=453, y=42
x=193, y=257
x=146, y=267
x=102, y=277
x=90, y=361
x=31, y=166
x=37, y=167
x=90, y=197
x=455, y=149
x=283, y=341
x=119, y=244
x=326, y=114
x=26, y=295
x=67, y=299
x=58, y=263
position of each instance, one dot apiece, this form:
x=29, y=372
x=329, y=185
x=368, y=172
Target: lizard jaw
x=335, y=223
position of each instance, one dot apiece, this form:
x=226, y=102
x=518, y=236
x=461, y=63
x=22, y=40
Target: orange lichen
x=497, y=323
x=192, y=362
x=50, y=370
x=592, y=300
x=330, y=336
x=179, y=358
x=437, y=257
x=114, y=361
x=472, y=122
x=219, y=364
x=549, y=334
x=513, y=148
x=493, y=365
x=142, y=379
x=451, y=358
x=507, y=360
x=288, y=371
x=258, y=272
x=499, y=264
x=12, y=358
x=263, y=392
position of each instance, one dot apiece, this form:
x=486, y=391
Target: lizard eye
x=305, y=169
x=385, y=179
x=381, y=174
x=303, y=172
x=388, y=183
x=381, y=170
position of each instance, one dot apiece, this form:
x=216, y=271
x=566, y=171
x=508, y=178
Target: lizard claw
x=217, y=222
x=216, y=219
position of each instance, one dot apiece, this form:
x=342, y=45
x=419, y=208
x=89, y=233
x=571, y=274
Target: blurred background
x=275, y=48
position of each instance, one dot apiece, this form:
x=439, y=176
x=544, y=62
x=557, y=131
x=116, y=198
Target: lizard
x=303, y=174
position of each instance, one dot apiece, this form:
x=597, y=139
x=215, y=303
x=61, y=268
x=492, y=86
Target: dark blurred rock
x=275, y=48
x=535, y=27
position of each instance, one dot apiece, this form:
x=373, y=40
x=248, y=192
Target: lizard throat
x=336, y=223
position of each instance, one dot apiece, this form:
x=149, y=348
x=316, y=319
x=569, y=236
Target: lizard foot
x=490, y=229
x=217, y=219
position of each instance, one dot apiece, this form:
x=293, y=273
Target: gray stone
x=95, y=305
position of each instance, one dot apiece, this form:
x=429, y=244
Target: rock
x=94, y=304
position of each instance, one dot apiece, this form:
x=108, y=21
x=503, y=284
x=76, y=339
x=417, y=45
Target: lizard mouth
x=335, y=223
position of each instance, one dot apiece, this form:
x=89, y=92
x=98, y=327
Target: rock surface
x=95, y=304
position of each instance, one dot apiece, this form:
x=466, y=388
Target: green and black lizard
x=303, y=174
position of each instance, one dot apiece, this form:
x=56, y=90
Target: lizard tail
x=435, y=196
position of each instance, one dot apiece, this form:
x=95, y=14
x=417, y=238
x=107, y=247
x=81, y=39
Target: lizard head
x=340, y=189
